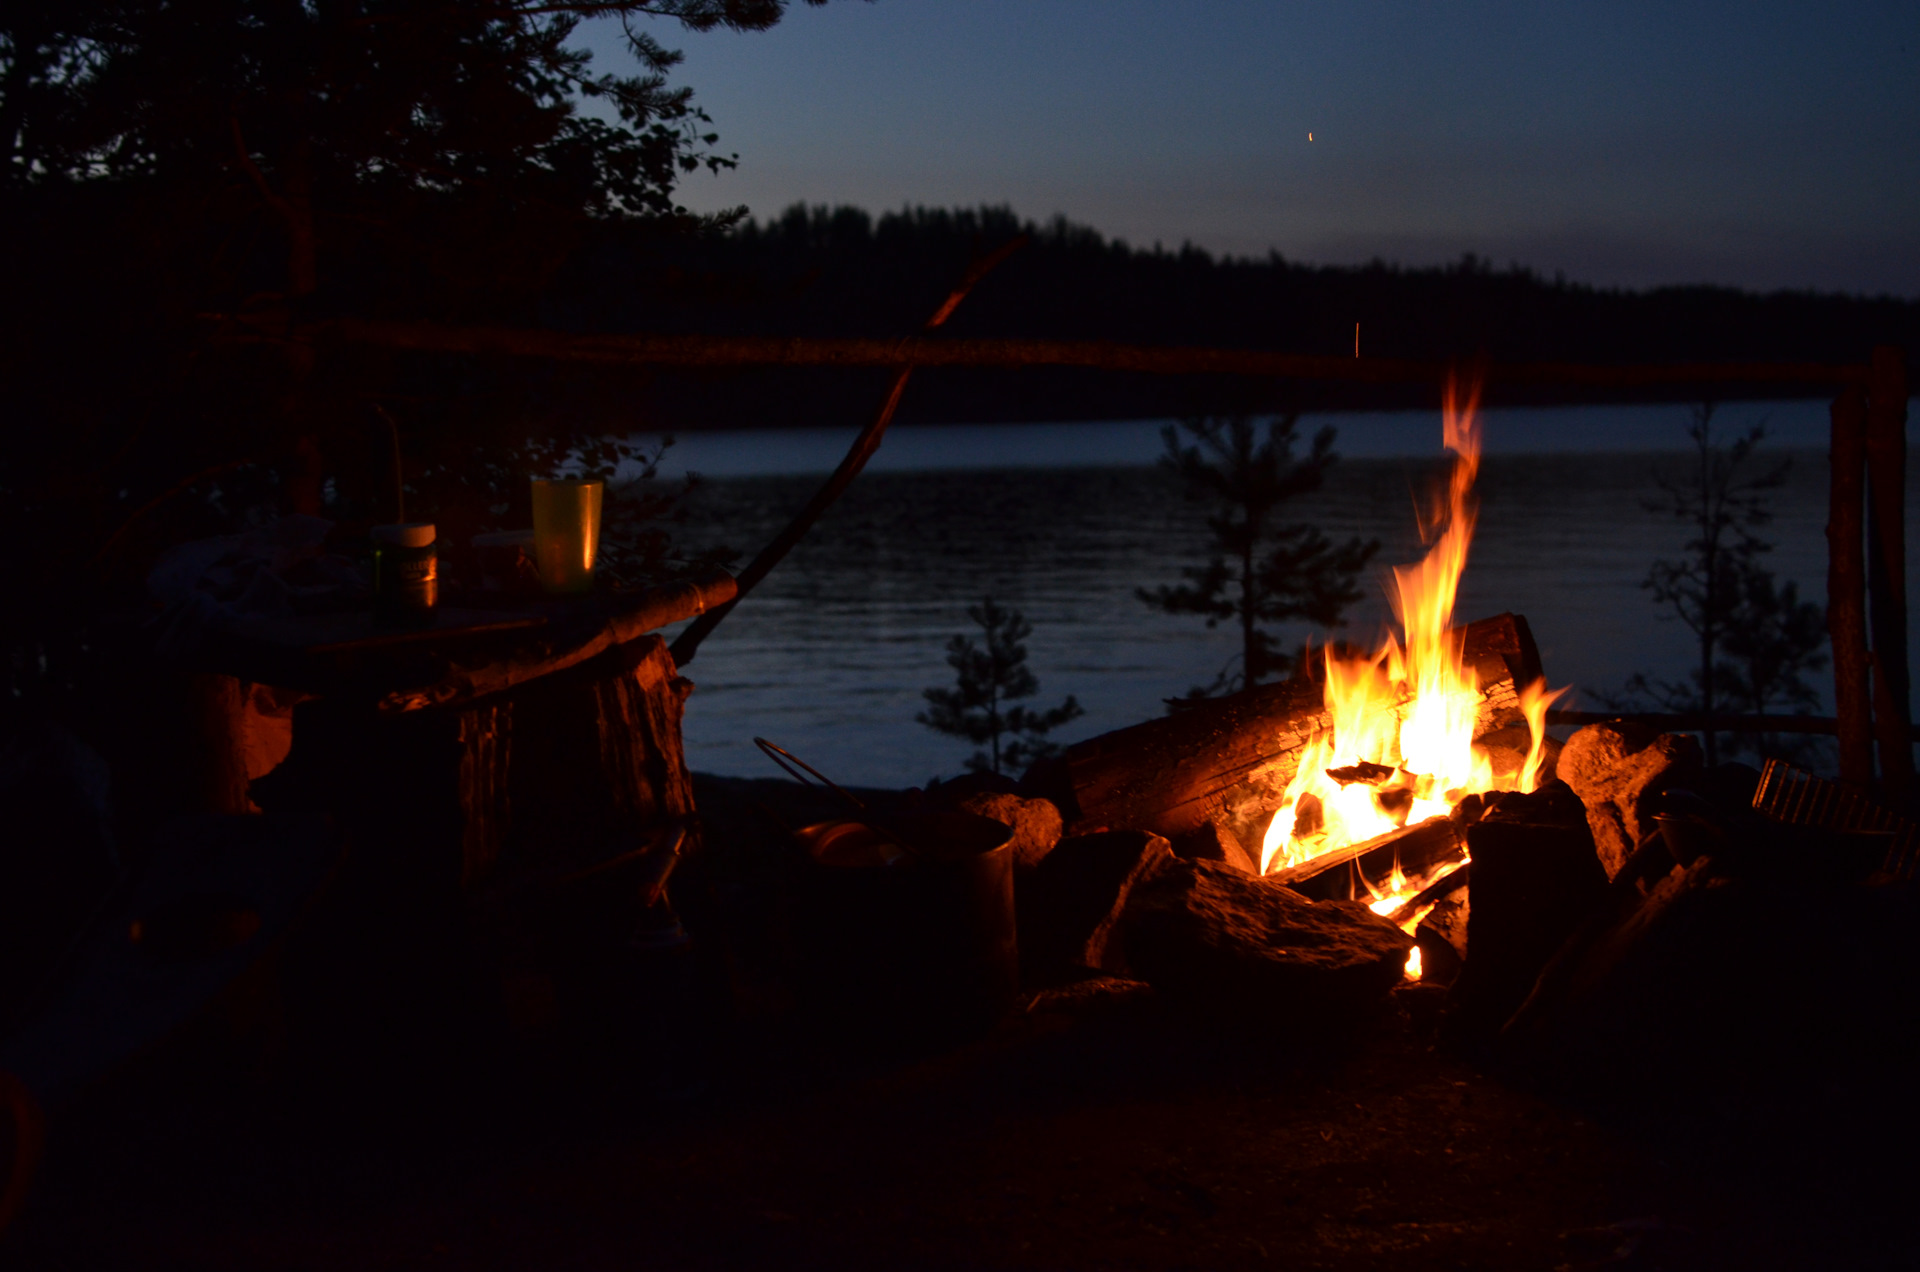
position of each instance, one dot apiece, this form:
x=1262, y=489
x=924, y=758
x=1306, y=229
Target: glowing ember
x=1400, y=747
x=1413, y=964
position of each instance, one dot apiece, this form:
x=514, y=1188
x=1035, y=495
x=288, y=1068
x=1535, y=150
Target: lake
x=830, y=655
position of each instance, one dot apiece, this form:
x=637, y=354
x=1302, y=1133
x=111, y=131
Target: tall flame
x=1399, y=748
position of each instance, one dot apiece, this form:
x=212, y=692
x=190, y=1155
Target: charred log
x=1339, y=875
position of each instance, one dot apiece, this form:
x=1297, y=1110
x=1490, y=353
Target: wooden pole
x=1694, y=722
x=1847, y=586
x=1887, y=569
x=688, y=642
x=1682, y=378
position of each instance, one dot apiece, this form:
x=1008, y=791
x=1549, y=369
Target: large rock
x=1035, y=823
x=1214, y=842
x=1070, y=904
x=1256, y=951
x=1618, y=769
x=1535, y=880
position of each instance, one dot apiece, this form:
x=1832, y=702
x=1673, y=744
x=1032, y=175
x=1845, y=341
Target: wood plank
x=740, y=351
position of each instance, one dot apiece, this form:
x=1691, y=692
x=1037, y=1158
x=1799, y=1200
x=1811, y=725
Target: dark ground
x=1126, y=1138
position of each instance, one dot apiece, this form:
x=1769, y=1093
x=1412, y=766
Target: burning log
x=1255, y=952
x=1414, y=850
x=1228, y=761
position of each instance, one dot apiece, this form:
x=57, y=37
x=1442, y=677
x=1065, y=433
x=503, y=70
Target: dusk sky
x=1763, y=145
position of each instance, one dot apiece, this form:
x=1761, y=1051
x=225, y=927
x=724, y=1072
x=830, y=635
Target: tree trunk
x=1847, y=587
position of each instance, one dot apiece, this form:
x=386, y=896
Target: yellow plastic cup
x=566, y=532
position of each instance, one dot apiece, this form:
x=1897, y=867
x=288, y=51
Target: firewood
x=1536, y=879
x=1228, y=761
x=1415, y=849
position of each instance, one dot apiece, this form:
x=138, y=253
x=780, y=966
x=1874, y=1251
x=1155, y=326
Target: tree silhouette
x=1755, y=638
x=190, y=190
x=1260, y=571
x=988, y=678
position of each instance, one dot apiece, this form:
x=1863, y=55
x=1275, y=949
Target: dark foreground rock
x=1070, y=904
x=1755, y=1001
x=1205, y=933
x=1618, y=770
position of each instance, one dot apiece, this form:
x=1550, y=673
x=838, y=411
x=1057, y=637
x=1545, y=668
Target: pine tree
x=1755, y=638
x=986, y=680
x=1260, y=571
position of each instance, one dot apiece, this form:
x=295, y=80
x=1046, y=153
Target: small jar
x=406, y=574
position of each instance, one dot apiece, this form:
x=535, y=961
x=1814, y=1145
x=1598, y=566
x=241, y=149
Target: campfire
x=1400, y=747
x=1308, y=840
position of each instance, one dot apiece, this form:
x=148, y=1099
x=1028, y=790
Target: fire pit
x=1355, y=782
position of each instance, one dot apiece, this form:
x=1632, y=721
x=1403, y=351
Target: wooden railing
x=1866, y=576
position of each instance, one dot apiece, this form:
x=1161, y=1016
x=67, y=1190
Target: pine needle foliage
x=1261, y=570
x=1756, y=639
x=988, y=677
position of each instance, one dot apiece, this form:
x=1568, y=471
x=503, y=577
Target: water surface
x=831, y=654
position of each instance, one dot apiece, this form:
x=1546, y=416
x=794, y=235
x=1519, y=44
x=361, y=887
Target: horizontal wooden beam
x=1100, y=355
x=1693, y=722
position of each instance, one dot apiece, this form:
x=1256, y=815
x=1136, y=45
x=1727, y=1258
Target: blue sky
x=1756, y=144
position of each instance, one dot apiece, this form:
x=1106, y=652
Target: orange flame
x=1401, y=721
x=1534, y=701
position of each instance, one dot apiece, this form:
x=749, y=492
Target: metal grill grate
x=1791, y=795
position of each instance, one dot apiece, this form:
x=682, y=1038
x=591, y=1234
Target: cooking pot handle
x=780, y=755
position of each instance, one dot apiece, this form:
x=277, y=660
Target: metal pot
x=908, y=931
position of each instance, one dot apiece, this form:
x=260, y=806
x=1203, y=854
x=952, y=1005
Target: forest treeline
x=840, y=271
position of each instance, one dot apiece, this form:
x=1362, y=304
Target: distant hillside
x=840, y=271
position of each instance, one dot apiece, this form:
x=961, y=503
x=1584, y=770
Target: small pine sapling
x=1260, y=570
x=1010, y=738
x=1757, y=641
